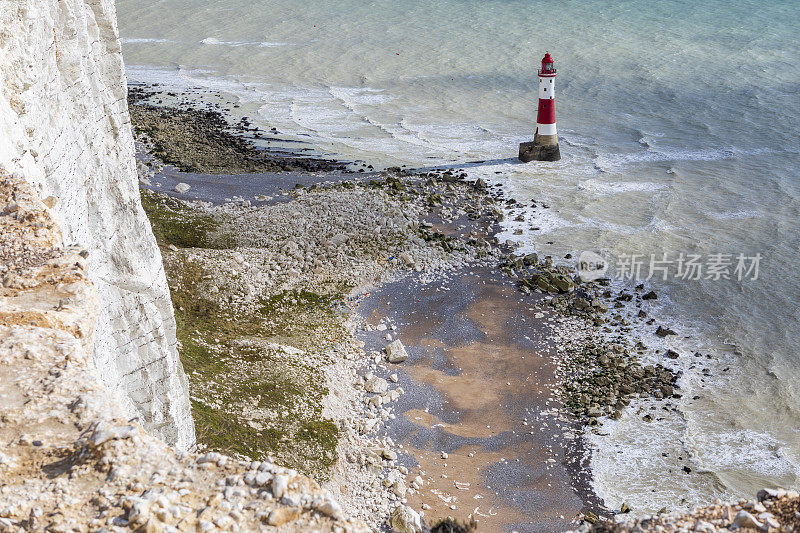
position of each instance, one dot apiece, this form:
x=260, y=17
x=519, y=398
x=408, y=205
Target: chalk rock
x=406, y=520
x=330, y=508
x=71, y=97
x=103, y=433
x=279, y=484
x=283, y=515
x=388, y=454
x=399, y=488
x=745, y=519
x=376, y=385
x=396, y=352
x=407, y=259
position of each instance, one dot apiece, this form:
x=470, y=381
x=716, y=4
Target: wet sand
x=478, y=383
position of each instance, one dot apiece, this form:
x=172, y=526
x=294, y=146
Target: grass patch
x=224, y=433
x=248, y=400
x=235, y=376
x=174, y=223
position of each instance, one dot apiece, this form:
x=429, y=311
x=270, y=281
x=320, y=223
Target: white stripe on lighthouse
x=547, y=87
x=545, y=129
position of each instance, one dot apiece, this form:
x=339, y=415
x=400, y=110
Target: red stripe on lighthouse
x=547, y=111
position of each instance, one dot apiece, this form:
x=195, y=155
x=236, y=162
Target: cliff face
x=65, y=129
x=70, y=460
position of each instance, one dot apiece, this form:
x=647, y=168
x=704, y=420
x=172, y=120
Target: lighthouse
x=545, y=141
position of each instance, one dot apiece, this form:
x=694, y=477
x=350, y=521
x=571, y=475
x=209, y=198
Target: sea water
x=679, y=124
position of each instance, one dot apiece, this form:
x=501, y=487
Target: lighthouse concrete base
x=535, y=152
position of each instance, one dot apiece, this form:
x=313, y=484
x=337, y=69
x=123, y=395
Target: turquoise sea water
x=679, y=125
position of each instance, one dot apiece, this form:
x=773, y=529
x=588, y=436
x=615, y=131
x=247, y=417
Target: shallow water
x=678, y=124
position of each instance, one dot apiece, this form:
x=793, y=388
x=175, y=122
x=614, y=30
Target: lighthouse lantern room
x=545, y=140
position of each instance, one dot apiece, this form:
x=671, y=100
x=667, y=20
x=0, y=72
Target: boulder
x=182, y=188
x=396, y=352
x=330, y=508
x=530, y=259
x=406, y=520
x=581, y=303
x=407, y=259
x=562, y=283
x=746, y=520
x=282, y=515
x=279, y=484
x=594, y=412
x=376, y=385
x=663, y=332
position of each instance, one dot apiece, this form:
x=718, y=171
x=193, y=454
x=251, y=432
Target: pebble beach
x=466, y=377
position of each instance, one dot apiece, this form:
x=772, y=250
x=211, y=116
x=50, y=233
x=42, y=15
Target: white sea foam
x=608, y=188
x=143, y=40
x=235, y=44
x=734, y=215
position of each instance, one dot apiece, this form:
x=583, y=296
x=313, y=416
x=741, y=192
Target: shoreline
x=203, y=185
x=569, y=303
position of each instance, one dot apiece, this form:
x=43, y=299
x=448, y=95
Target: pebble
x=279, y=484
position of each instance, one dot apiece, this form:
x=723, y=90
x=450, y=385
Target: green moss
x=290, y=388
x=221, y=431
x=174, y=223
x=448, y=244
x=231, y=371
x=298, y=315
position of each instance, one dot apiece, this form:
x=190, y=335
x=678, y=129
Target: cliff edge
x=65, y=129
x=71, y=460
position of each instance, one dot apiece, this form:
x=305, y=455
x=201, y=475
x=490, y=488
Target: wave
x=144, y=40
x=235, y=44
x=606, y=162
x=734, y=215
x=355, y=98
x=618, y=187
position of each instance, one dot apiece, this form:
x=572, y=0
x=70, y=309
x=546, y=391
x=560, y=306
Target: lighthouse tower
x=545, y=141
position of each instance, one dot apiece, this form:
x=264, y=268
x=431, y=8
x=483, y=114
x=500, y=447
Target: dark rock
x=663, y=332
x=530, y=259
x=530, y=152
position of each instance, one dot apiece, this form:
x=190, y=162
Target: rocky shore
x=268, y=287
x=200, y=139
x=771, y=511
x=264, y=301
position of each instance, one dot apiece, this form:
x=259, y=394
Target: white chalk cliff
x=65, y=128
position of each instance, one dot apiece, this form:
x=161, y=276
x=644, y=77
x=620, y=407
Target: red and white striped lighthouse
x=545, y=141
